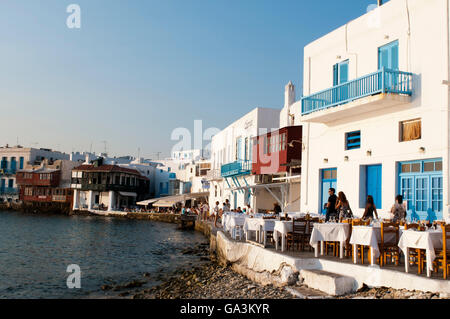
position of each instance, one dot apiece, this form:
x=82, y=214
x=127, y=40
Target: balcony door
x=388, y=59
x=340, y=76
x=388, y=56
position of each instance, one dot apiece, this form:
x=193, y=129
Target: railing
x=213, y=174
x=9, y=191
x=236, y=168
x=382, y=81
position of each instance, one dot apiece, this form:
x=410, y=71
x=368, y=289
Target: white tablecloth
x=257, y=224
x=282, y=227
x=329, y=232
x=231, y=221
x=428, y=240
x=370, y=236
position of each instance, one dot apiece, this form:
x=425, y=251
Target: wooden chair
x=389, y=250
x=298, y=234
x=443, y=256
x=416, y=256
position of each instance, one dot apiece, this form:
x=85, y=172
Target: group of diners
x=338, y=208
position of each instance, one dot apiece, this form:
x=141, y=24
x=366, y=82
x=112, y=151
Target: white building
x=16, y=158
x=375, y=111
x=231, y=157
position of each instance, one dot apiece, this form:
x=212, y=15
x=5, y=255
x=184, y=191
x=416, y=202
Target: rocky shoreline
x=210, y=280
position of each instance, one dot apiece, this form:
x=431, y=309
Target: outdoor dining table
x=369, y=236
x=281, y=229
x=329, y=232
x=428, y=240
x=234, y=221
x=260, y=226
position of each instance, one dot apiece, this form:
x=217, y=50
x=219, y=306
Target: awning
x=172, y=200
x=128, y=194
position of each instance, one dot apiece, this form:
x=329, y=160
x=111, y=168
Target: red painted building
x=44, y=185
x=274, y=152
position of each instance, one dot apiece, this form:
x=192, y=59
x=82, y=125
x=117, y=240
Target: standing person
x=216, y=214
x=249, y=210
x=398, y=209
x=370, y=208
x=205, y=209
x=331, y=205
x=343, y=207
x=227, y=206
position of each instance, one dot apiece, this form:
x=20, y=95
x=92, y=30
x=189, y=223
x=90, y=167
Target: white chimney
x=87, y=159
x=289, y=94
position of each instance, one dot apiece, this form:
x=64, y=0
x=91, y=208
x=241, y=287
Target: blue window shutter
x=394, y=56
x=343, y=72
x=335, y=75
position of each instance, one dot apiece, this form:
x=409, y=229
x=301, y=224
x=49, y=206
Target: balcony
x=9, y=191
x=382, y=89
x=236, y=168
x=214, y=175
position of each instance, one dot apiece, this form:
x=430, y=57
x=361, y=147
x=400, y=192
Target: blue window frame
x=21, y=160
x=353, y=140
x=421, y=185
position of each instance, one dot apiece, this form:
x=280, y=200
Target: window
x=283, y=141
x=353, y=140
x=266, y=145
x=340, y=73
x=410, y=130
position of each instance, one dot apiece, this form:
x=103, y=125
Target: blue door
x=2, y=186
x=329, y=180
x=373, y=186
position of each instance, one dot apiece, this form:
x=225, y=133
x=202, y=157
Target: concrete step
x=330, y=283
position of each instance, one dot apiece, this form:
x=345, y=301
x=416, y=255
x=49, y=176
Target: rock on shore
x=212, y=281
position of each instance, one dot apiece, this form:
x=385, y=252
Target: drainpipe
x=308, y=125
x=447, y=119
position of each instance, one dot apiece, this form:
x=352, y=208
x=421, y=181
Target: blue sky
x=138, y=69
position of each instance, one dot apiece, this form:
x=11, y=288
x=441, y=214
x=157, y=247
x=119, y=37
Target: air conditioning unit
x=263, y=179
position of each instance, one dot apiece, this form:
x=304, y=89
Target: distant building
x=191, y=155
x=46, y=185
x=100, y=186
x=16, y=158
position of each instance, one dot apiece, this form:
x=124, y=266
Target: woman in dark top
x=370, y=208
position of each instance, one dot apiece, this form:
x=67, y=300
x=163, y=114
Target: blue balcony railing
x=236, y=168
x=9, y=191
x=382, y=81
